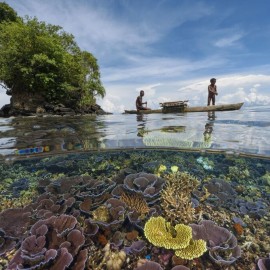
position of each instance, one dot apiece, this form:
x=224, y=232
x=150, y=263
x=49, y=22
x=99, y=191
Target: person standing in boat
x=139, y=102
x=212, y=92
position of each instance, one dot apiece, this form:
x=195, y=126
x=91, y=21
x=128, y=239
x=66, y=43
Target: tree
x=36, y=57
x=7, y=13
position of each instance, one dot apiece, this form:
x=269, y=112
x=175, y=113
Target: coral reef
x=149, y=265
x=53, y=242
x=111, y=214
x=206, y=163
x=160, y=233
x=145, y=184
x=222, y=244
x=135, y=202
x=113, y=260
x=263, y=264
x=195, y=249
x=176, y=197
x=63, y=211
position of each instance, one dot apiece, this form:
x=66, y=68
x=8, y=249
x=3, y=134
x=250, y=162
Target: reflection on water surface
x=245, y=131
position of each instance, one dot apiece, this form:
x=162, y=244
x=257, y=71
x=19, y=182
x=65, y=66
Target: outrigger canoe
x=225, y=107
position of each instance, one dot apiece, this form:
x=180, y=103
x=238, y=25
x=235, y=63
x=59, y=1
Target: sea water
x=74, y=170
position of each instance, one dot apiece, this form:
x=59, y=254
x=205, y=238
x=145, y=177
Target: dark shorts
x=141, y=108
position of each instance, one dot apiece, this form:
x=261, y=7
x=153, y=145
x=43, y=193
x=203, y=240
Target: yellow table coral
x=161, y=234
x=195, y=249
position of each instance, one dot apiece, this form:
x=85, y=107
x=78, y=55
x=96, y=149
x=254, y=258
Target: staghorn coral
x=185, y=182
x=176, y=197
x=135, y=202
x=162, y=234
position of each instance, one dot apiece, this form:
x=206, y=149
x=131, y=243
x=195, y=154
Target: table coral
x=195, y=249
x=161, y=234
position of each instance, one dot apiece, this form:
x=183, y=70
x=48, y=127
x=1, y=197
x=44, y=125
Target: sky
x=168, y=48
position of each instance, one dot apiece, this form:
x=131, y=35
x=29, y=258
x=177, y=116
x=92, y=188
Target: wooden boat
x=224, y=107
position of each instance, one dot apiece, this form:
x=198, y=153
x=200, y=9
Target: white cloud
x=4, y=99
x=100, y=29
x=149, y=90
x=228, y=41
x=124, y=44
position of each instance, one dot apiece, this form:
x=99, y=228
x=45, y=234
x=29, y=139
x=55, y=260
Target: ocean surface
x=159, y=191
x=244, y=131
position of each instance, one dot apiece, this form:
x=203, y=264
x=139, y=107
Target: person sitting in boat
x=212, y=92
x=139, y=102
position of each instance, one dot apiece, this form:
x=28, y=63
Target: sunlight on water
x=245, y=131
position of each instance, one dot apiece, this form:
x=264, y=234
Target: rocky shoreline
x=50, y=109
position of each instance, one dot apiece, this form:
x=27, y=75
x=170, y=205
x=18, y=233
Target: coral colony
x=145, y=210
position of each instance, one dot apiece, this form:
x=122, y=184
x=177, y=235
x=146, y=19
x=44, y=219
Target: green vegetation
x=36, y=57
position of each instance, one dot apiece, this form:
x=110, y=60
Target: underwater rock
x=219, y=241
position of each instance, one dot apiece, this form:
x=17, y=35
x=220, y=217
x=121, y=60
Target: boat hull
x=225, y=107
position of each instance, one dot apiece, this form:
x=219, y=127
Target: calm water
x=54, y=187
x=245, y=131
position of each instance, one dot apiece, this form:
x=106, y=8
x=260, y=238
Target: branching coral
x=162, y=234
x=176, y=197
x=135, y=202
x=114, y=260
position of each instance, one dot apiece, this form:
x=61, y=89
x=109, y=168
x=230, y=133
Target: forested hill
x=43, y=69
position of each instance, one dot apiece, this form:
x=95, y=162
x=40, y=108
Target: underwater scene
x=148, y=209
